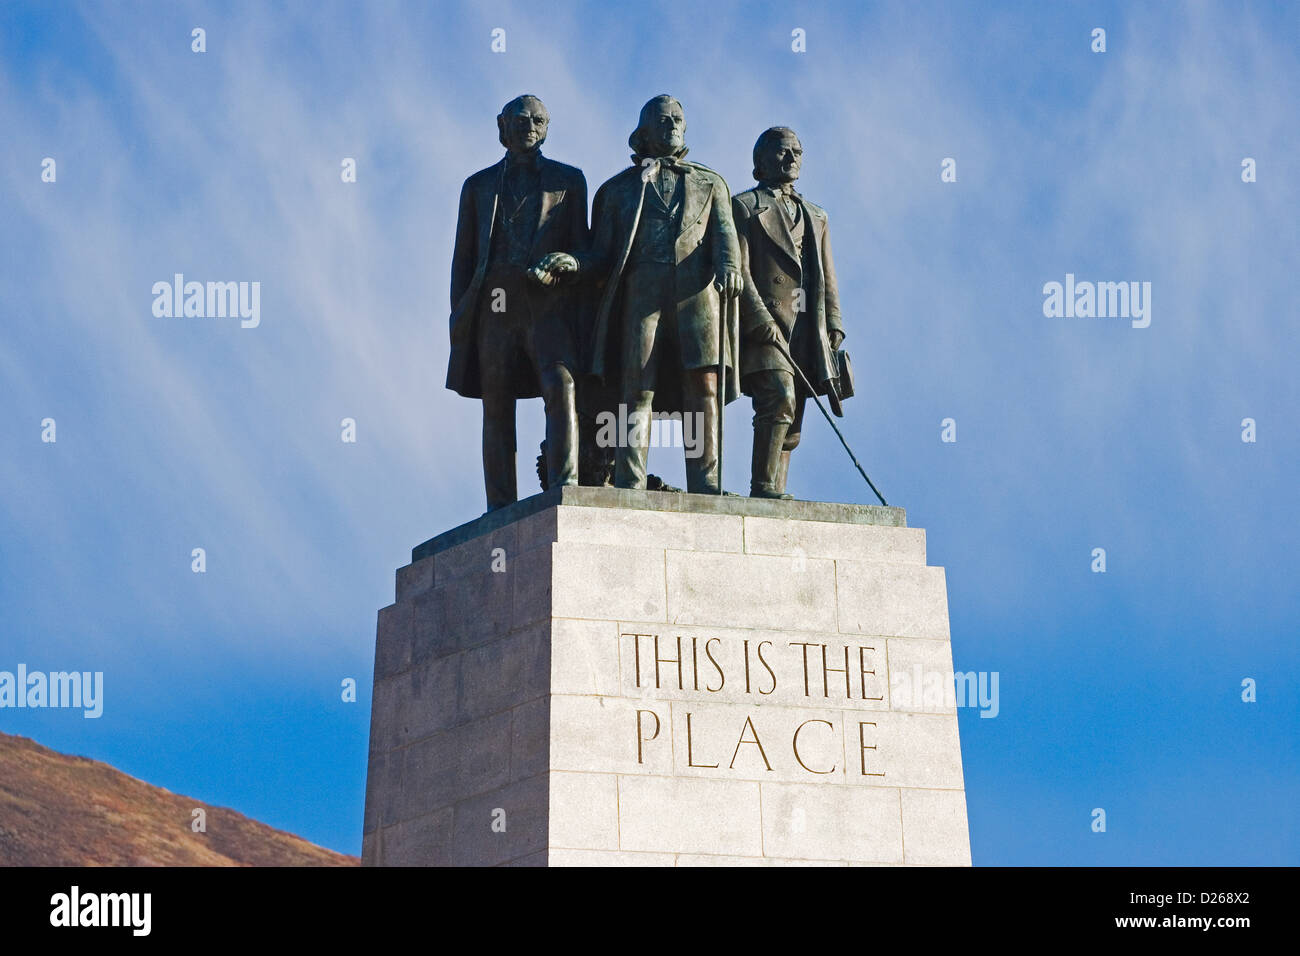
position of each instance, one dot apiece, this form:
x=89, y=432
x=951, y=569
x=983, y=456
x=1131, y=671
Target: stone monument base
x=595, y=676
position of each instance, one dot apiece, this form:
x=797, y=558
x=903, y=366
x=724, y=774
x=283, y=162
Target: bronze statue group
x=678, y=299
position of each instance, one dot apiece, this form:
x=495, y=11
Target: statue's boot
x=595, y=461
x=499, y=450
x=785, y=471
x=701, y=401
x=561, y=430
x=767, y=477
x=633, y=448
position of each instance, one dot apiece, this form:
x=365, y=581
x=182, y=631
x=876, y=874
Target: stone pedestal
x=603, y=677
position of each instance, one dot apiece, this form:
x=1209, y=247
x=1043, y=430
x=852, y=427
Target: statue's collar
x=674, y=161
x=779, y=189
x=529, y=160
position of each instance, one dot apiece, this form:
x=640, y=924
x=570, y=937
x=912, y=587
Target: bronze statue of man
x=790, y=302
x=664, y=245
x=514, y=318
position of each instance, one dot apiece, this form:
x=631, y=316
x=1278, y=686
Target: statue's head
x=778, y=156
x=522, y=123
x=661, y=130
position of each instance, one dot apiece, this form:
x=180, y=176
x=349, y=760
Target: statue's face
x=781, y=160
x=525, y=125
x=665, y=128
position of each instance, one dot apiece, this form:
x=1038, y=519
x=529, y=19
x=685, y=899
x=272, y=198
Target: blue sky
x=1118, y=690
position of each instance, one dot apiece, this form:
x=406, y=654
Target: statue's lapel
x=816, y=219
x=814, y=226
x=769, y=217
x=487, y=208
x=552, y=192
x=698, y=189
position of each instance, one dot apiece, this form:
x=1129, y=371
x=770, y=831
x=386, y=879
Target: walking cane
x=728, y=319
x=724, y=321
x=785, y=351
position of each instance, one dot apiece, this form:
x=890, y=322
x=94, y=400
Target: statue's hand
x=541, y=276
x=769, y=333
x=836, y=337
x=556, y=264
x=730, y=284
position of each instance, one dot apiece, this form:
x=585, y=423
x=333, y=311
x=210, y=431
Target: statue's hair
x=765, y=139
x=637, y=140
x=518, y=101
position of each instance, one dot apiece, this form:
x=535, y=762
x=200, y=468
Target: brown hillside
x=57, y=810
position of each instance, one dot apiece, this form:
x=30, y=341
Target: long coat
x=561, y=227
x=773, y=270
x=705, y=246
